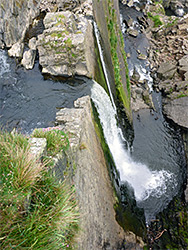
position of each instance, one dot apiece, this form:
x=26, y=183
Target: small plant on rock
x=57, y=140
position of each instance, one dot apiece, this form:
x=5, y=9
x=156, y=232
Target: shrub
x=156, y=19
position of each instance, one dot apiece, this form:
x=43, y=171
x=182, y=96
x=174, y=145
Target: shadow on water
x=28, y=100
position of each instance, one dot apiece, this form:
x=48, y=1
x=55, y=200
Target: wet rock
x=166, y=70
x=130, y=3
x=128, y=22
x=142, y=56
x=137, y=98
x=66, y=47
x=28, y=59
x=147, y=99
x=177, y=110
x=132, y=32
x=16, y=50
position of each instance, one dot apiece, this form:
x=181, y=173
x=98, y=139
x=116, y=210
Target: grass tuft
x=57, y=140
x=36, y=210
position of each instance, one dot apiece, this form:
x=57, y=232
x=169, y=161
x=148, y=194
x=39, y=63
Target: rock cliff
x=15, y=18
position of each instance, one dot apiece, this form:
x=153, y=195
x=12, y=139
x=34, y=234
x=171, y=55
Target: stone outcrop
x=166, y=70
x=15, y=18
x=66, y=47
x=177, y=110
x=99, y=229
x=16, y=50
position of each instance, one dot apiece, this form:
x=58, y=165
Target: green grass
x=36, y=210
x=57, y=140
x=156, y=19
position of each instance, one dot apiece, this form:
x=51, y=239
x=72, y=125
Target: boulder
x=28, y=59
x=166, y=70
x=132, y=32
x=186, y=76
x=16, y=50
x=130, y=3
x=66, y=47
x=128, y=22
x=142, y=57
x=177, y=110
x=183, y=61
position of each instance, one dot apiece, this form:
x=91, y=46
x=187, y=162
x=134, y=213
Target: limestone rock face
x=66, y=47
x=177, y=110
x=15, y=17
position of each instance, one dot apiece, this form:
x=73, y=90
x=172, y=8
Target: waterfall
x=97, y=35
x=145, y=183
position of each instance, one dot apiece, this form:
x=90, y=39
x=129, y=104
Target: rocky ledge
x=66, y=47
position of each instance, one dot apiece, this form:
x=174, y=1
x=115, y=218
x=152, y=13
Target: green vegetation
x=36, y=210
x=175, y=221
x=116, y=40
x=159, y=7
x=57, y=140
x=156, y=19
x=171, y=22
x=181, y=95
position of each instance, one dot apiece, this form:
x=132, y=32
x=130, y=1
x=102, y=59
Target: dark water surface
x=28, y=101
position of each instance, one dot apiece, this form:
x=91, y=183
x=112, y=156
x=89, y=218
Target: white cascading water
x=144, y=182
x=102, y=61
